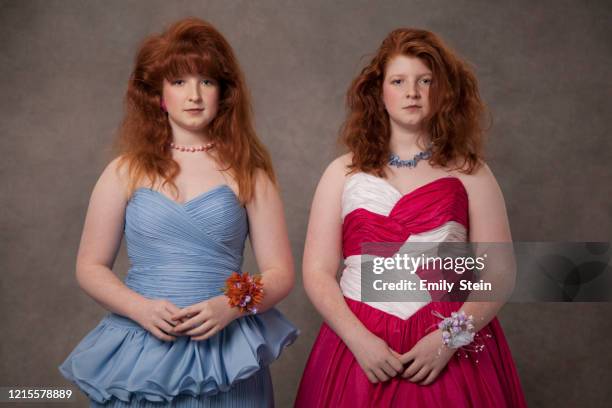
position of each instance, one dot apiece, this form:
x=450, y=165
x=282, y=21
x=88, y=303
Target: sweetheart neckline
x=191, y=200
x=403, y=197
x=399, y=193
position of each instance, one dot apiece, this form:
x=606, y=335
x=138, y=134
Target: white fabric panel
x=350, y=282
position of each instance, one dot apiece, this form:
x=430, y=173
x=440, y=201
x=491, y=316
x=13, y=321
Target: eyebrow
x=196, y=75
x=403, y=76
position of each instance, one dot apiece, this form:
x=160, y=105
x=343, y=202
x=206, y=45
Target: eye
x=177, y=82
x=426, y=81
x=208, y=82
x=396, y=81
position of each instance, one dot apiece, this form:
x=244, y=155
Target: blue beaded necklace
x=395, y=161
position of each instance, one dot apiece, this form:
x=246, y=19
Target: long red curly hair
x=189, y=46
x=457, y=111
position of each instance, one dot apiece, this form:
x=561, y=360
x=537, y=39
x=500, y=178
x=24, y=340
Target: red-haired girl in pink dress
x=414, y=172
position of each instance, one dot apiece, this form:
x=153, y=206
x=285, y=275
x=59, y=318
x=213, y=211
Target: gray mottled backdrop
x=543, y=70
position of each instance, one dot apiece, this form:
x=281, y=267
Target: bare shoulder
x=263, y=183
x=328, y=195
x=118, y=167
x=265, y=192
x=488, y=215
x=481, y=181
x=114, y=180
x=342, y=162
x=337, y=171
x=104, y=222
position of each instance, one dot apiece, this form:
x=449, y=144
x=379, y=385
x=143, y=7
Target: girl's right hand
x=378, y=361
x=155, y=316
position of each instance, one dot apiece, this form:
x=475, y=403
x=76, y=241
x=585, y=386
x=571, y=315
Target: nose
x=194, y=92
x=413, y=91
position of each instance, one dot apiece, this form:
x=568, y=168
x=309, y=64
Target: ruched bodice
x=182, y=253
x=374, y=211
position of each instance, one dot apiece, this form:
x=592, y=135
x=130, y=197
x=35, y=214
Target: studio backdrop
x=543, y=70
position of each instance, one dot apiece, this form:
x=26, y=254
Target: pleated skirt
x=253, y=392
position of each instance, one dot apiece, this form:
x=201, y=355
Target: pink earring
x=162, y=104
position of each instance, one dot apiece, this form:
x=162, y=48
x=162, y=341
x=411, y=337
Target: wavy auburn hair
x=190, y=46
x=454, y=123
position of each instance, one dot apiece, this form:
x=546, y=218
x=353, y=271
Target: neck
x=185, y=137
x=407, y=141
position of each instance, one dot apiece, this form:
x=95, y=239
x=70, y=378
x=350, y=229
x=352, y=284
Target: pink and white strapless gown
x=374, y=211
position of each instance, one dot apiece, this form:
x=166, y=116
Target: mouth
x=194, y=110
x=412, y=107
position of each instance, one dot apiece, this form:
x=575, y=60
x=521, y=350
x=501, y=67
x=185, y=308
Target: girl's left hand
x=205, y=319
x=426, y=359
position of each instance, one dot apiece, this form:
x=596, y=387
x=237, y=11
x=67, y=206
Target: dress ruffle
x=121, y=359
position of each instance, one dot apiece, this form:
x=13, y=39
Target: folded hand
x=205, y=319
x=426, y=360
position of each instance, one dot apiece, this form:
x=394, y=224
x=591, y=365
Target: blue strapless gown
x=182, y=253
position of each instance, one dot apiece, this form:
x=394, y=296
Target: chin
x=196, y=127
x=192, y=129
x=410, y=123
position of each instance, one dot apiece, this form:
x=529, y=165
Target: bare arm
x=489, y=224
x=100, y=243
x=270, y=242
x=322, y=254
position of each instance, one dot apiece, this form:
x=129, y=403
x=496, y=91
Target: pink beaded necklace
x=202, y=148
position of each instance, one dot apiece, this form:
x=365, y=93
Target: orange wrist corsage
x=244, y=291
